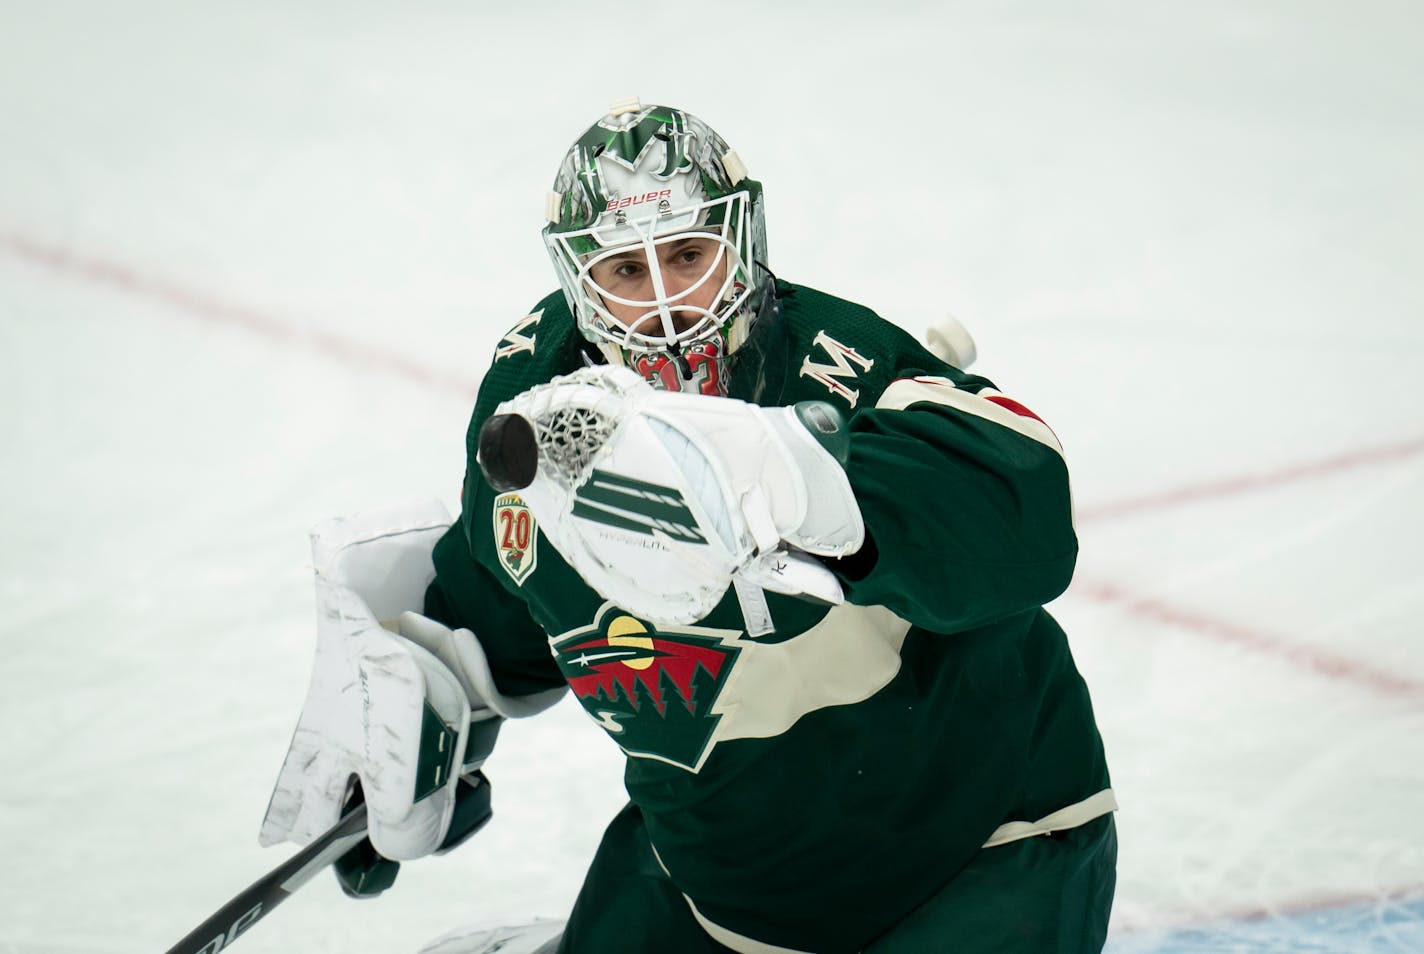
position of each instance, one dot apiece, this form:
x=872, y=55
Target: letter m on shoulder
x=842, y=360
x=515, y=340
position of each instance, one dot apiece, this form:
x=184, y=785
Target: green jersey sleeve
x=966, y=504
x=964, y=491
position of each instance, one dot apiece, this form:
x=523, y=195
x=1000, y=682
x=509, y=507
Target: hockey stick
x=264, y=894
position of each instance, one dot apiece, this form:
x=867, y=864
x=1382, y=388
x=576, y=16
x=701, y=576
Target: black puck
x=509, y=452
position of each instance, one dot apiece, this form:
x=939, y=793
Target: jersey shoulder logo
x=842, y=359
x=516, y=537
x=515, y=340
x=654, y=690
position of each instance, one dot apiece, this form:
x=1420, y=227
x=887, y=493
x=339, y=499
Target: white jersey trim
x=1079, y=813
x=1004, y=411
x=847, y=657
x=1072, y=816
x=725, y=936
x=737, y=942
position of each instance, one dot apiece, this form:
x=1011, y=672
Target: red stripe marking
x=195, y=304
x=1007, y=403
x=1307, y=658
x=1179, y=921
x=1011, y=405
x=1235, y=486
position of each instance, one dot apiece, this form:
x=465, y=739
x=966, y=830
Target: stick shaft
x=250, y=906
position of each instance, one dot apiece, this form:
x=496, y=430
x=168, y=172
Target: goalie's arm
x=966, y=504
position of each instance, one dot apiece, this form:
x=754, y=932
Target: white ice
x=254, y=259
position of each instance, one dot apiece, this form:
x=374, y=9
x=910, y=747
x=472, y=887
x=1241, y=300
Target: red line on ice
x=1234, y=486
x=1308, y=904
x=1314, y=660
x=196, y=304
x=1312, y=904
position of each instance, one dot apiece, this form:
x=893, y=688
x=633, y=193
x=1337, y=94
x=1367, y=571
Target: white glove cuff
x=465, y=659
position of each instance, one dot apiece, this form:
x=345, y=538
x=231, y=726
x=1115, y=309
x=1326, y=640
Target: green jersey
x=809, y=787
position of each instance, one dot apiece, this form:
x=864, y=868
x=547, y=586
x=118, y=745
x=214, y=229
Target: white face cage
x=726, y=221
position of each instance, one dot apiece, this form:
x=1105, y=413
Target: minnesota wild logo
x=653, y=690
x=627, y=143
x=515, y=537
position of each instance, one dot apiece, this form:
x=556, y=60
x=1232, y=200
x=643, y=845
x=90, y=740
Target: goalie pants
x=1049, y=894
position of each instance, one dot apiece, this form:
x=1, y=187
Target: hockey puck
x=509, y=452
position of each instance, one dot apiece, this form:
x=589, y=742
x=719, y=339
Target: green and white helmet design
x=638, y=179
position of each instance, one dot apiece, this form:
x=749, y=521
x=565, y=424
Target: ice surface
x=254, y=258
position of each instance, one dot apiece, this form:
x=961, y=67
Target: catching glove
x=660, y=500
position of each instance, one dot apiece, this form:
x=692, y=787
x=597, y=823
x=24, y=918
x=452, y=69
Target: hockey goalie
x=790, y=560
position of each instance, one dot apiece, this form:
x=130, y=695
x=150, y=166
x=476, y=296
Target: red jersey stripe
x=1012, y=405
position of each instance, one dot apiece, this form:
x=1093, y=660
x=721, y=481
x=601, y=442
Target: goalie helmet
x=630, y=193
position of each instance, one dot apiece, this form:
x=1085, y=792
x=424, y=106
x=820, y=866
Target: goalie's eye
x=628, y=270
x=620, y=271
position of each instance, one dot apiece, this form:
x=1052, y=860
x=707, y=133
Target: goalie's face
x=664, y=290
